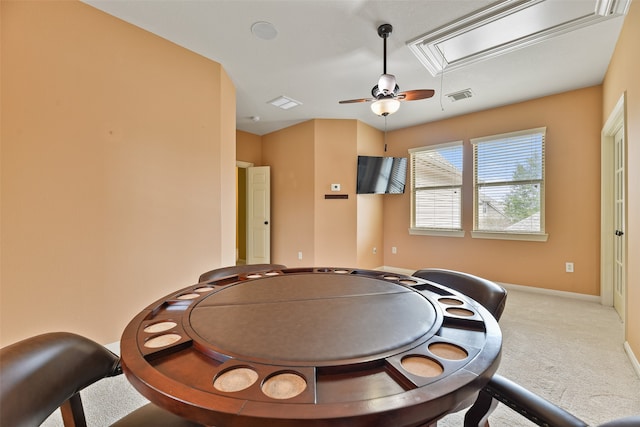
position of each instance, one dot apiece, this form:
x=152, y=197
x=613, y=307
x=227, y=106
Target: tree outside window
x=509, y=182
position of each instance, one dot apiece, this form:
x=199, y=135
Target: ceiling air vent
x=284, y=102
x=461, y=94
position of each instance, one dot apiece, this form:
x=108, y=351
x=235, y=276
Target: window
x=508, y=184
x=436, y=189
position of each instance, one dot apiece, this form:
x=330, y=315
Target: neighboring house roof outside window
x=527, y=224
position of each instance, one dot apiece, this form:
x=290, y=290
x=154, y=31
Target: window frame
x=434, y=231
x=538, y=236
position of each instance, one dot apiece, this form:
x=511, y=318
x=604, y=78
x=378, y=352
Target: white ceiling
x=329, y=50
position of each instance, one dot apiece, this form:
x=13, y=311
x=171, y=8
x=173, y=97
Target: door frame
x=241, y=165
x=616, y=120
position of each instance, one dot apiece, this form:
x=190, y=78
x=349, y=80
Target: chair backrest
x=491, y=295
x=237, y=269
x=42, y=373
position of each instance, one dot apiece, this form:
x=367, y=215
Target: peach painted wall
x=370, y=142
x=290, y=154
x=335, y=219
x=305, y=160
x=249, y=147
x=573, y=122
x=117, y=149
x=222, y=126
x=622, y=76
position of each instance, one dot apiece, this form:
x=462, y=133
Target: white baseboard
x=632, y=358
x=553, y=292
x=396, y=270
x=574, y=295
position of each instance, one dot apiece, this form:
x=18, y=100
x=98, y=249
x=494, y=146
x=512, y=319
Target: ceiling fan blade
x=350, y=101
x=414, y=95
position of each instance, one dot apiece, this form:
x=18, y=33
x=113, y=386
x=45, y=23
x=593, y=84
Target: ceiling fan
x=386, y=98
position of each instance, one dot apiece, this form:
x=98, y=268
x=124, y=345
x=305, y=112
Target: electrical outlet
x=335, y=187
x=300, y=255
x=568, y=267
x=375, y=250
x=394, y=250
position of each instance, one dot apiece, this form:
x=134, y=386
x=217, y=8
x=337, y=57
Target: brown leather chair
x=46, y=372
x=500, y=389
x=491, y=295
x=219, y=273
x=530, y=405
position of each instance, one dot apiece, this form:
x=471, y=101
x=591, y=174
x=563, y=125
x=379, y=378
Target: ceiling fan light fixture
x=385, y=96
x=387, y=83
x=385, y=106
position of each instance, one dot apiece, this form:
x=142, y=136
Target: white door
x=619, y=223
x=258, y=215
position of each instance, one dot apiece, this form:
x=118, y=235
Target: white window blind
x=508, y=172
x=436, y=187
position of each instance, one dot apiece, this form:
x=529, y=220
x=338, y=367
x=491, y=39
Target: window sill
x=530, y=237
x=440, y=233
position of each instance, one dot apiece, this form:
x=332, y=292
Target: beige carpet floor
x=567, y=350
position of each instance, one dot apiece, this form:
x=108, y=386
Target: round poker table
x=312, y=347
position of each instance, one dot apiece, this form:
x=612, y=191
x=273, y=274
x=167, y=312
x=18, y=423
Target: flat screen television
x=381, y=175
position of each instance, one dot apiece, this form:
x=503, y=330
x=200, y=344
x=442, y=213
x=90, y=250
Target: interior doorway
x=619, y=222
x=253, y=214
x=259, y=215
x=241, y=211
x=613, y=211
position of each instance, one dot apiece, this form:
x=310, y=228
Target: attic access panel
x=506, y=26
